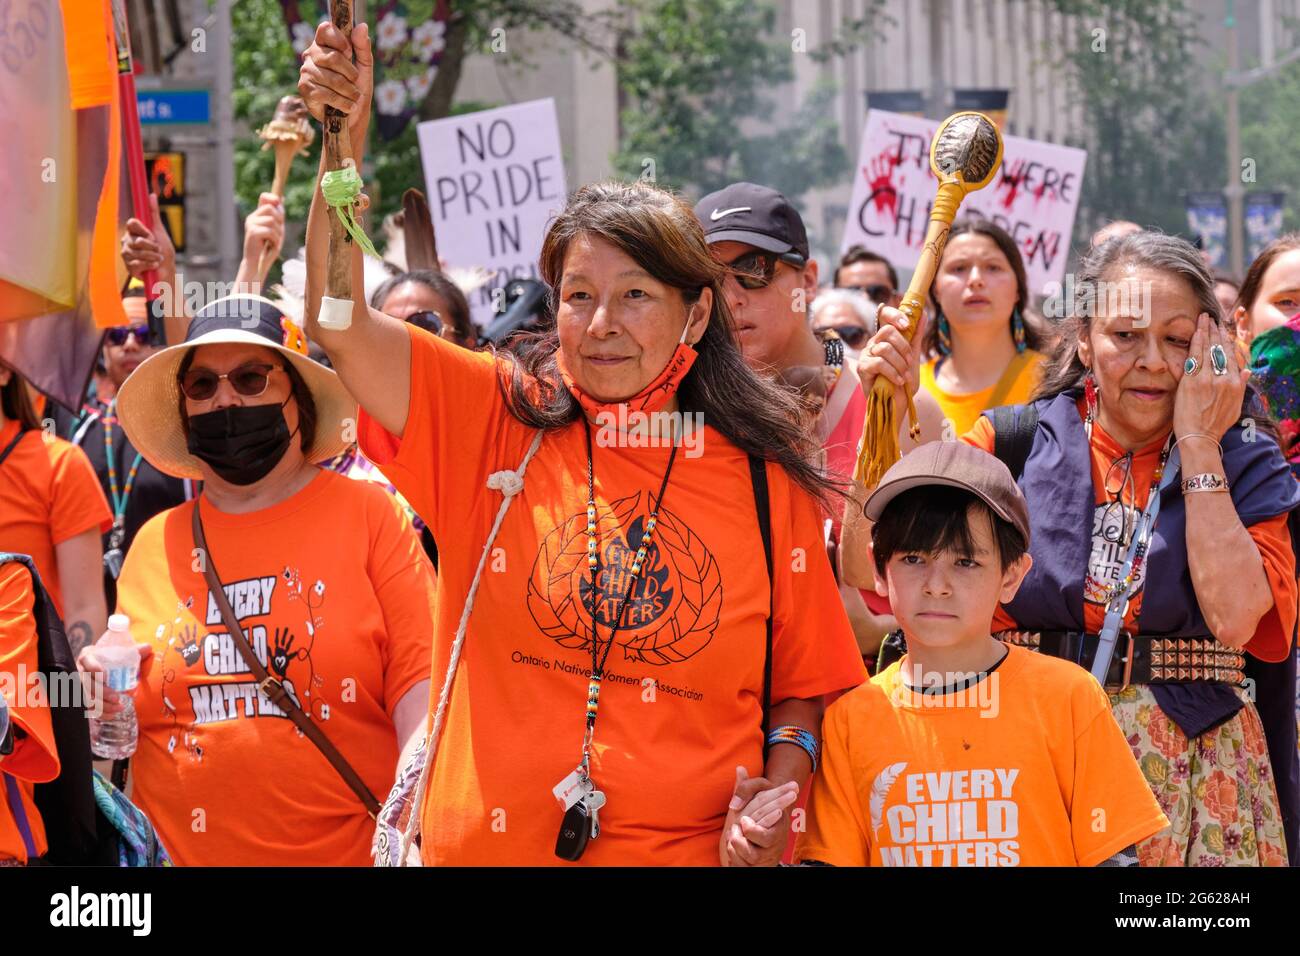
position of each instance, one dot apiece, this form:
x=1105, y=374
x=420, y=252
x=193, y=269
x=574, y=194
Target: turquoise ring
x=1218, y=360
x=1191, y=366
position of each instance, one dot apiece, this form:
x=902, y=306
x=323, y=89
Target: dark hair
x=661, y=233
x=976, y=225
x=17, y=403
x=437, y=283
x=1248, y=289
x=297, y=387
x=860, y=253
x=932, y=519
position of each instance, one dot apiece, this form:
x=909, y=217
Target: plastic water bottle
x=115, y=738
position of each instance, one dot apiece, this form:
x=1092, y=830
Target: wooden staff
x=340, y=186
x=964, y=155
x=289, y=133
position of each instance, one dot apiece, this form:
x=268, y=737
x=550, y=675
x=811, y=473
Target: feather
x=880, y=790
x=417, y=228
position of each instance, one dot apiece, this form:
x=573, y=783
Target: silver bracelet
x=1205, y=482
x=1178, y=441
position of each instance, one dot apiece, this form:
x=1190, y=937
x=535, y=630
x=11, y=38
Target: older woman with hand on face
x=1159, y=525
x=612, y=661
x=283, y=615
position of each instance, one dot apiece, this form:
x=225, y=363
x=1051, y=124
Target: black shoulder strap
x=12, y=444
x=66, y=803
x=1013, y=435
x=758, y=476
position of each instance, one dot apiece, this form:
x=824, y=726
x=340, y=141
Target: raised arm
x=373, y=356
x=890, y=354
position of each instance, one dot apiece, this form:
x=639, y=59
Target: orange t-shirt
x=1027, y=767
x=1273, y=635
x=34, y=758
x=681, y=702
x=48, y=494
x=336, y=596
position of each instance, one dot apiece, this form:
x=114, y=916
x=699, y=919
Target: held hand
x=328, y=77
x=755, y=828
x=888, y=353
x=92, y=680
x=264, y=227
x=144, y=250
x=1206, y=403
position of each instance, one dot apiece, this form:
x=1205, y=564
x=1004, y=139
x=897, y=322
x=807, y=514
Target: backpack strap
x=1013, y=435
x=758, y=477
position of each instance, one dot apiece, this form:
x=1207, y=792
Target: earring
x=1018, y=329
x=945, y=335
x=1090, y=395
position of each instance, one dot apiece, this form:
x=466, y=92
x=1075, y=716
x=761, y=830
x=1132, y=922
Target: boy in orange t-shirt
x=968, y=752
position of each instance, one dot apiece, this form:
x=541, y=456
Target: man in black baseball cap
x=759, y=235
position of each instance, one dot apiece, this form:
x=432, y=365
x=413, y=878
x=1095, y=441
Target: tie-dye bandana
x=1275, y=372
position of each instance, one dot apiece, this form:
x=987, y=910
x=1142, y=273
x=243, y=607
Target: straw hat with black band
x=148, y=401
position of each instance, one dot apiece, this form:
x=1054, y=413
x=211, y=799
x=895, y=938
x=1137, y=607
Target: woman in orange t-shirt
x=612, y=637
x=1139, y=397
x=325, y=579
x=981, y=351
x=52, y=508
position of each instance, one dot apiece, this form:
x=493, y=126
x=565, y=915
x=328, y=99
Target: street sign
x=173, y=107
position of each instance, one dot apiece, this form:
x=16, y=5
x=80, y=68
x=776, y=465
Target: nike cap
x=756, y=215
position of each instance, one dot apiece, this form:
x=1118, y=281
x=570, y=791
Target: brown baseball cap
x=957, y=465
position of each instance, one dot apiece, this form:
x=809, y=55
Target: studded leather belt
x=1140, y=659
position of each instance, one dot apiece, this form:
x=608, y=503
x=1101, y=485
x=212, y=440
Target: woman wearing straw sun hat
x=284, y=602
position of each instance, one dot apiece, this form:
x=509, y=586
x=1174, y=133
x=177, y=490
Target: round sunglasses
x=120, y=333
x=249, y=380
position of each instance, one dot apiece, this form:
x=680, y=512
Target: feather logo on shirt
x=880, y=792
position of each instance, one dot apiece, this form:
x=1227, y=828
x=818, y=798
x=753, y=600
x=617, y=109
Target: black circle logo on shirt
x=674, y=603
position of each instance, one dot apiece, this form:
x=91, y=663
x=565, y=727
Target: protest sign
x=1034, y=195
x=494, y=178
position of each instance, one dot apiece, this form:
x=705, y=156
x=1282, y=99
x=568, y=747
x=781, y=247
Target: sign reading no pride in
x=494, y=178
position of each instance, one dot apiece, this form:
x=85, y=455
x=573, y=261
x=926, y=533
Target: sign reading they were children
x=494, y=178
x=1034, y=195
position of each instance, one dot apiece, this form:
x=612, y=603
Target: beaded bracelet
x=803, y=739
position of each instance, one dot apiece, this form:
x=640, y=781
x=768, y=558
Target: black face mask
x=241, y=443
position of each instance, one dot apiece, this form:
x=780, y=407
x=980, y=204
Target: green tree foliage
x=1154, y=130
x=694, y=76
x=1268, y=109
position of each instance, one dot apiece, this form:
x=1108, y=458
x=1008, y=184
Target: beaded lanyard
x=598, y=660
x=1145, y=523
x=1118, y=597
x=118, y=534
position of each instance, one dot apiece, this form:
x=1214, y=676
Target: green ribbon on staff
x=341, y=189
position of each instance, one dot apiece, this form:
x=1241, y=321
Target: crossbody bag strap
x=758, y=476
x=270, y=686
x=13, y=444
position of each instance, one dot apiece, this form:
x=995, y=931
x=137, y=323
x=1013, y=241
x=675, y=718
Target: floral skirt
x=1217, y=789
